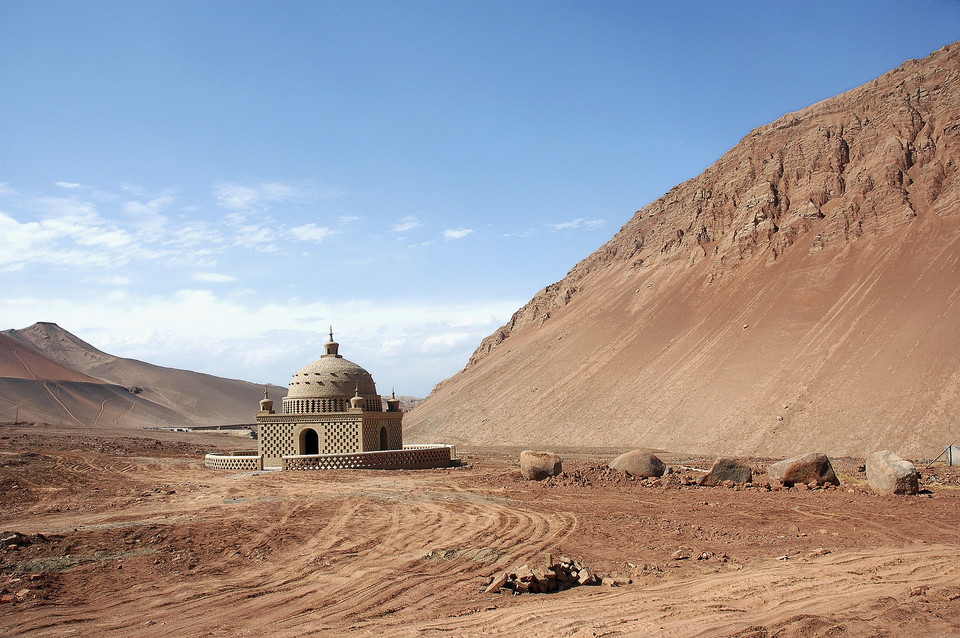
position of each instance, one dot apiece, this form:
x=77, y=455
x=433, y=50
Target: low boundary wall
x=234, y=461
x=411, y=457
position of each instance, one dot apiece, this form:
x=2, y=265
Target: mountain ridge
x=107, y=389
x=826, y=221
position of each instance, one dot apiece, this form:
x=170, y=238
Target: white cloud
x=233, y=196
x=69, y=185
x=133, y=189
x=530, y=232
x=70, y=232
x=407, y=223
x=456, y=233
x=445, y=342
x=311, y=232
x=214, y=277
x=419, y=345
x=259, y=238
x=113, y=238
x=579, y=222
x=348, y=219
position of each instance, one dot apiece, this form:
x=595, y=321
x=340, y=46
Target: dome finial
x=331, y=348
x=266, y=403
x=356, y=403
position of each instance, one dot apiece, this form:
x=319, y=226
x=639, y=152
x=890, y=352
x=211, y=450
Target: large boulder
x=887, y=473
x=725, y=469
x=809, y=468
x=536, y=466
x=640, y=464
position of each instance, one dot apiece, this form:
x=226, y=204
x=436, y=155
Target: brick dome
x=328, y=384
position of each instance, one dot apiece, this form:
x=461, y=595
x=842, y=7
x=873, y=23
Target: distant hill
x=48, y=374
x=803, y=293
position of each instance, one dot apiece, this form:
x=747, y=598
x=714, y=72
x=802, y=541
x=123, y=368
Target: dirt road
x=124, y=535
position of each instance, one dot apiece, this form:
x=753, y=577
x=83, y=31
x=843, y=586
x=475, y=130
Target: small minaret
x=356, y=403
x=266, y=403
x=331, y=347
x=393, y=403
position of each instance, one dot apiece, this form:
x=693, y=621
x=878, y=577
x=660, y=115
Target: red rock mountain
x=803, y=293
x=48, y=374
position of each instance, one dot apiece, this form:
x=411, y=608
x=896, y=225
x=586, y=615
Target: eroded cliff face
x=859, y=164
x=803, y=292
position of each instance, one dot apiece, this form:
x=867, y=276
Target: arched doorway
x=383, y=438
x=310, y=442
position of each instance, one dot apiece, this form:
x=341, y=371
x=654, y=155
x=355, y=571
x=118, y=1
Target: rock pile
x=558, y=575
x=14, y=540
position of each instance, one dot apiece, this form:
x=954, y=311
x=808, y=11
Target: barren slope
x=803, y=292
x=21, y=361
x=134, y=537
x=156, y=396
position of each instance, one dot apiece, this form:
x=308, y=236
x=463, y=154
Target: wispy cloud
x=530, y=232
x=456, y=233
x=311, y=232
x=407, y=223
x=573, y=224
x=69, y=185
x=73, y=233
x=236, y=196
x=240, y=197
x=579, y=222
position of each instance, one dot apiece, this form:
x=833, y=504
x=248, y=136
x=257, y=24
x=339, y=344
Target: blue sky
x=210, y=185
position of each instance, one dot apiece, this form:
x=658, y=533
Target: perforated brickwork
x=227, y=462
x=405, y=459
x=341, y=437
x=276, y=440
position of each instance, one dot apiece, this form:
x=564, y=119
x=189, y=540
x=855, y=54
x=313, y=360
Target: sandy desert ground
x=131, y=535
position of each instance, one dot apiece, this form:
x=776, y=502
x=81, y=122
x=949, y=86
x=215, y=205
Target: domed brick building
x=333, y=417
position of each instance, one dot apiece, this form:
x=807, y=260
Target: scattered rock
x=640, y=464
x=887, y=473
x=14, y=539
x=727, y=469
x=536, y=466
x=498, y=581
x=552, y=577
x=803, y=470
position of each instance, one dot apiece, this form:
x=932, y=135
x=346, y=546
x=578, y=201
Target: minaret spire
x=330, y=349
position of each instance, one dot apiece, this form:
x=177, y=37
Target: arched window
x=384, y=445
